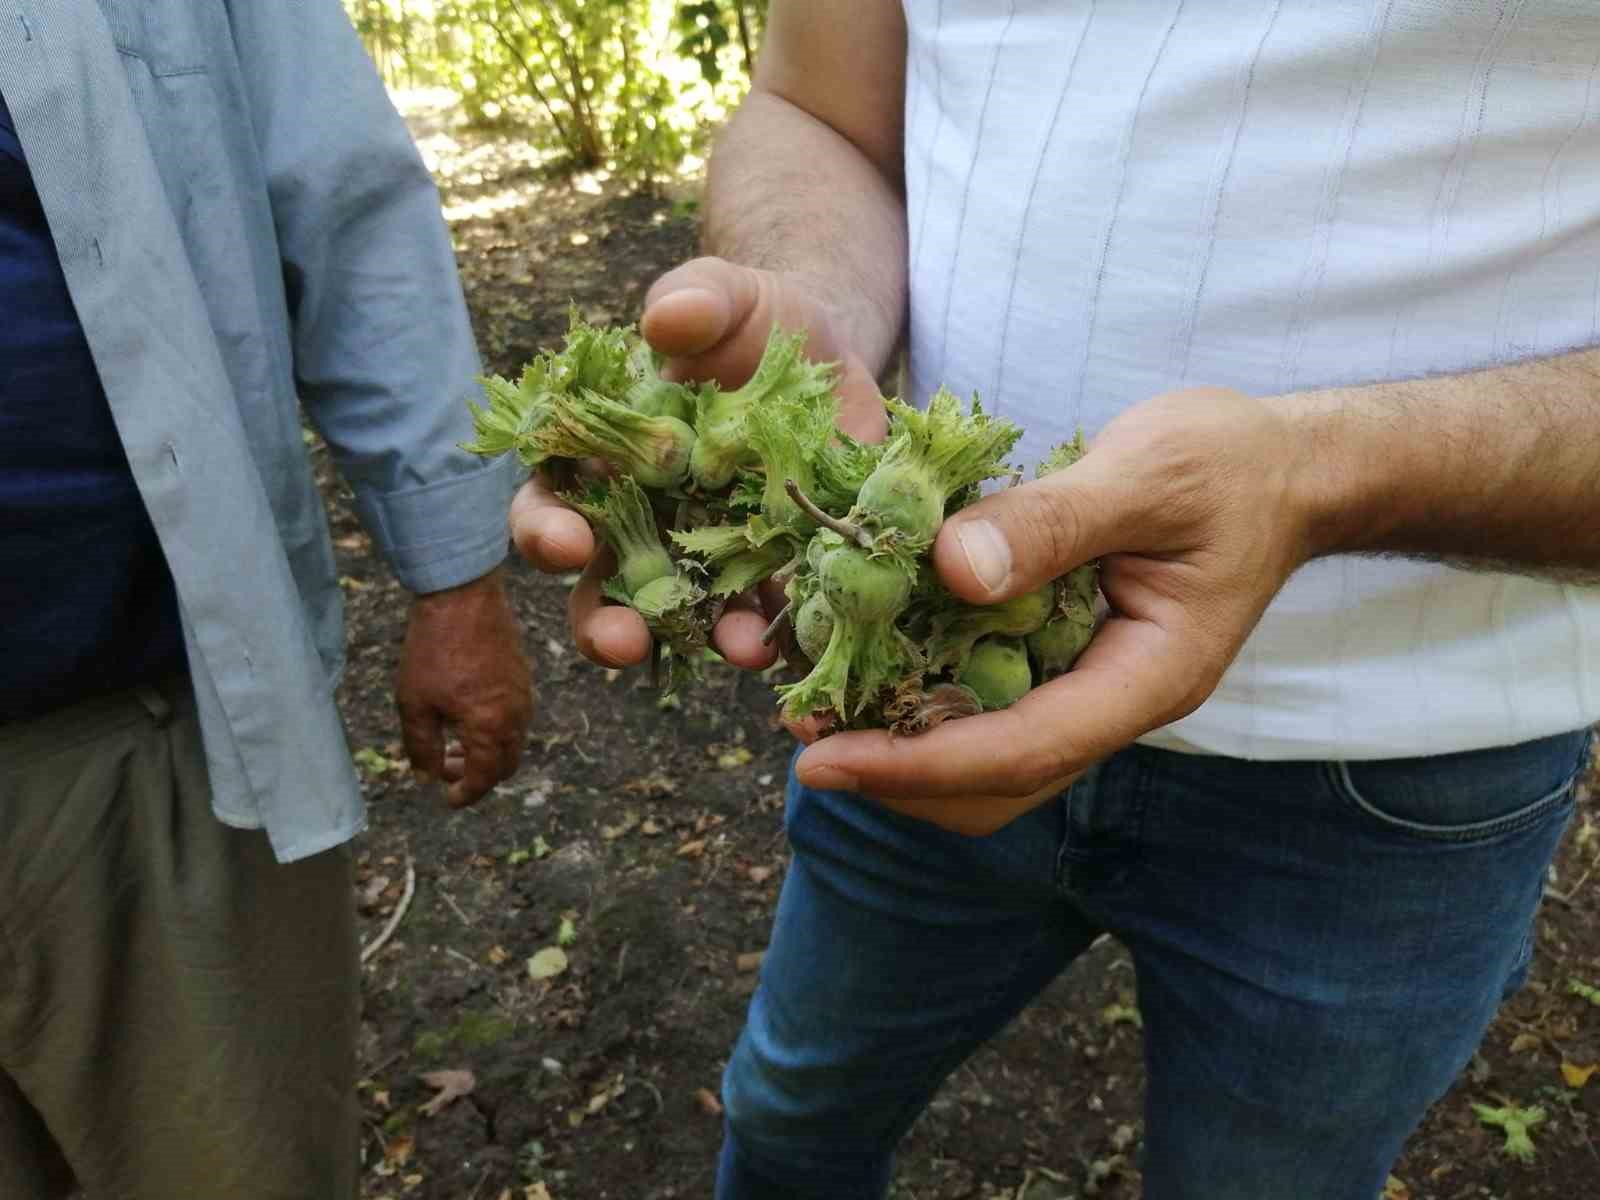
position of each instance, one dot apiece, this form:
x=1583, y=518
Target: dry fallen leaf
x=692, y=849
x=1525, y=1041
x=750, y=961
x=1577, y=1076
x=605, y=1096
x=451, y=1086
x=629, y=822
x=498, y=955
x=708, y=1102
x=1396, y=1189
x=759, y=874
x=536, y=1191
x=548, y=963
x=399, y=1150
x=373, y=889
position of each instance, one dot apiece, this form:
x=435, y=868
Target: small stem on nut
x=778, y=622
x=844, y=529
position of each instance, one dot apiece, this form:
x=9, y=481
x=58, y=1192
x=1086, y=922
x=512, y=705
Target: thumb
x=712, y=319
x=692, y=309
x=1017, y=540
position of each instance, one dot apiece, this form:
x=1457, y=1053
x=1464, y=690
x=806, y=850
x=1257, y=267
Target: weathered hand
x=1195, y=503
x=711, y=318
x=463, y=668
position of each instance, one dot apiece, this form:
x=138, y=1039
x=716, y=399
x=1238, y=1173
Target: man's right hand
x=711, y=318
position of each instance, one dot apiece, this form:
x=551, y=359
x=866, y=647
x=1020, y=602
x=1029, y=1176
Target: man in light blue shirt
x=209, y=215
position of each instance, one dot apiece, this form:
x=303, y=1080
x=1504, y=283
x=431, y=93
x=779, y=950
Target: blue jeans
x=1319, y=948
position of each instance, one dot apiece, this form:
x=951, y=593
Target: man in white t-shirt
x=1321, y=280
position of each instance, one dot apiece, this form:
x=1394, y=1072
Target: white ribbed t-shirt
x=1113, y=199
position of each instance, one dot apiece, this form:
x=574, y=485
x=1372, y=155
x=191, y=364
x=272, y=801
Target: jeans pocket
x=1466, y=798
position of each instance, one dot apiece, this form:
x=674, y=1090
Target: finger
x=1135, y=676
x=482, y=769
x=455, y=765
x=609, y=634
x=547, y=533
x=422, y=732
x=809, y=729
x=975, y=816
x=773, y=596
x=510, y=756
x=737, y=637
x=694, y=307
x=1016, y=540
x=724, y=320
x=712, y=319
x=861, y=411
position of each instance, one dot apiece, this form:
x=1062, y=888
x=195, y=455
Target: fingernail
x=827, y=779
x=988, y=553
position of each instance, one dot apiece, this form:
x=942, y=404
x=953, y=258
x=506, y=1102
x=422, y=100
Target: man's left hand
x=463, y=669
x=1196, y=504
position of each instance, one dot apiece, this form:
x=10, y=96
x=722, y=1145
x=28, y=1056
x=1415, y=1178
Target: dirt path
x=644, y=841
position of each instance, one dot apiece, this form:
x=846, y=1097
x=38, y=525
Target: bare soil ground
x=645, y=842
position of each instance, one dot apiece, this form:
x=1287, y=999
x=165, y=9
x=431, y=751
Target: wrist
x=1346, y=489
x=489, y=585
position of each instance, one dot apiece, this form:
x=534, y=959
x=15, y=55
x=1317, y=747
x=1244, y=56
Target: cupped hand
x=1195, y=504
x=711, y=318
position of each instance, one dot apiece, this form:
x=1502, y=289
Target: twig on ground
x=454, y=953
x=1570, y=896
x=661, y=1106
x=374, y=1072
x=454, y=907
x=399, y=914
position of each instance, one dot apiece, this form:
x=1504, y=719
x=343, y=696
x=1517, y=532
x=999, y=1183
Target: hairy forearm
x=788, y=193
x=1495, y=468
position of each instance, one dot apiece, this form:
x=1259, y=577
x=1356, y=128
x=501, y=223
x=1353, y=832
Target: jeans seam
x=1339, y=776
x=1142, y=787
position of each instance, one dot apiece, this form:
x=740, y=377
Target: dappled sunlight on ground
x=532, y=238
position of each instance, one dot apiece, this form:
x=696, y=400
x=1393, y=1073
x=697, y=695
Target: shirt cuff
x=444, y=534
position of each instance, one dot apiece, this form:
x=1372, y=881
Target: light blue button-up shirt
x=243, y=222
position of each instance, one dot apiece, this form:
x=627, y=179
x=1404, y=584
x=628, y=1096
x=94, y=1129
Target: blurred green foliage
x=631, y=85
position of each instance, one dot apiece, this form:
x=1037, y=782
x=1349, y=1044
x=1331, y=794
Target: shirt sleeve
x=383, y=349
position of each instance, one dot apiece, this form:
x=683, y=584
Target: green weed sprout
x=1515, y=1124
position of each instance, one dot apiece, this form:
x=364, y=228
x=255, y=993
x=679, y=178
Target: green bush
x=628, y=84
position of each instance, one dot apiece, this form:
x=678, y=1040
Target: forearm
x=1494, y=468
x=786, y=192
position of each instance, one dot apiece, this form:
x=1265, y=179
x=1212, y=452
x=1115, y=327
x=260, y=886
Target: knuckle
x=1054, y=527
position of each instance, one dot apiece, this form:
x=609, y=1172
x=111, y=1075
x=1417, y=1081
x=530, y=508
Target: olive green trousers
x=177, y=1010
